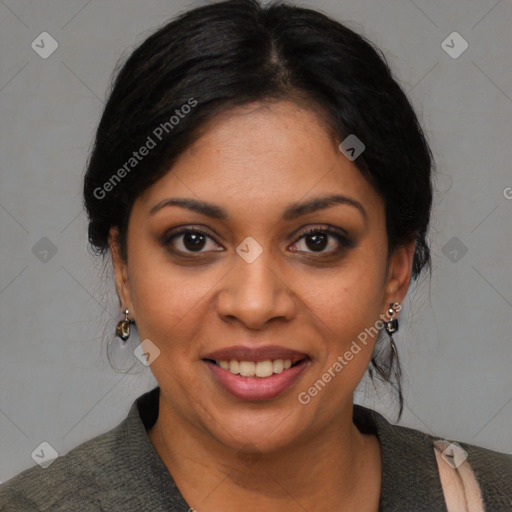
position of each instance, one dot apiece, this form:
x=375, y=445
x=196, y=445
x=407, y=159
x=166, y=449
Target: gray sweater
x=121, y=471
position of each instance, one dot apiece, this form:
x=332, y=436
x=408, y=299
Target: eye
x=193, y=240
x=188, y=240
x=317, y=240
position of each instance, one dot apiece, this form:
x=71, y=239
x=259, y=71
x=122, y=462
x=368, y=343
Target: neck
x=337, y=468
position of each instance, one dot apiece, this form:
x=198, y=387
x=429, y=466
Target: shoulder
x=70, y=482
x=493, y=472
x=493, y=469
x=407, y=450
x=117, y=470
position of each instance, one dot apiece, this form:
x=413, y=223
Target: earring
x=123, y=327
x=392, y=323
x=391, y=327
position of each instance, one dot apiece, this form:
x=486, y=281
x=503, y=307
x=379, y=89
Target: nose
x=255, y=293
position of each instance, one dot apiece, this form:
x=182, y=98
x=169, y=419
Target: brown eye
x=188, y=240
x=317, y=240
x=193, y=241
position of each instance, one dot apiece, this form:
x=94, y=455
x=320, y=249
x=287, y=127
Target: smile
x=260, y=369
x=256, y=380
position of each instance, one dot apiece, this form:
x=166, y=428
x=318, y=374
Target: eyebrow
x=291, y=212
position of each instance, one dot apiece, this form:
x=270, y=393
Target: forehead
x=261, y=156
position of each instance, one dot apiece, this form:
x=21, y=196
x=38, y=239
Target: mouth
x=258, y=369
x=256, y=374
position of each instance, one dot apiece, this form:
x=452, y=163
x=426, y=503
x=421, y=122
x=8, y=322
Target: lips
x=256, y=373
x=255, y=354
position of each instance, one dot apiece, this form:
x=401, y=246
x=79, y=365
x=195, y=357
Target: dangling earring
x=391, y=327
x=123, y=327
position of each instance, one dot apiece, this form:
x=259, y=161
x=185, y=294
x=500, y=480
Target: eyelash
x=344, y=241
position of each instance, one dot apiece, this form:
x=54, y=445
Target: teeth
x=255, y=369
x=233, y=366
x=264, y=368
x=278, y=365
x=247, y=369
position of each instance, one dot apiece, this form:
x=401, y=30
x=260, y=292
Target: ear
x=399, y=274
x=120, y=272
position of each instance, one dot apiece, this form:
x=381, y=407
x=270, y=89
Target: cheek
x=351, y=299
x=352, y=317
x=349, y=308
x=162, y=294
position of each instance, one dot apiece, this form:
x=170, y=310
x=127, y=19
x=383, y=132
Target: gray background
x=58, y=310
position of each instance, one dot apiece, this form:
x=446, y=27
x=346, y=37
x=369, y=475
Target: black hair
x=232, y=53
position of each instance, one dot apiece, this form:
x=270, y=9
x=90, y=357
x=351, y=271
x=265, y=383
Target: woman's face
x=256, y=279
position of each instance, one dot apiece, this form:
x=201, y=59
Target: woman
x=263, y=187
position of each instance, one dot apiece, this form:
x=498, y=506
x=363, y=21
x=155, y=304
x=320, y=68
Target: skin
x=228, y=454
